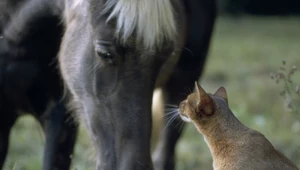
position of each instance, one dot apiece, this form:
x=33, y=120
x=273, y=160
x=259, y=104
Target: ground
x=244, y=51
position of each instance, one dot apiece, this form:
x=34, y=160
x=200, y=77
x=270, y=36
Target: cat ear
x=205, y=103
x=221, y=92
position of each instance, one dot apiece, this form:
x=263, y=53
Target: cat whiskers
x=171, y=114
x=170, y=110
x=171, y=106
x=180, y=123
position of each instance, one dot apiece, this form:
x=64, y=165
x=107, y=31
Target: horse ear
x=205, y=103
x=221, y=92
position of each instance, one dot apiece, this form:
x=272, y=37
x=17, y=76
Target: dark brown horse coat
x=30, y=36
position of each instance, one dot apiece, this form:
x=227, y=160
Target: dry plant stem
x=290, y=98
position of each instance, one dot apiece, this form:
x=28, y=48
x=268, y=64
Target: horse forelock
x=152, y=21
x=74, y=3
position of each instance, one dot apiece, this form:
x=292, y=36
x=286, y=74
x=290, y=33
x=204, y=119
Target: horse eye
x=105, y=55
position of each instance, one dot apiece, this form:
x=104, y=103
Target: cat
x=233, y=145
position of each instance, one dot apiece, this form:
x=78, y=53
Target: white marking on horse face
x=153, y=20
x=75, y=3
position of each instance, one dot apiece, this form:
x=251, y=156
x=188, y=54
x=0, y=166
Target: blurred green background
x=244, y=51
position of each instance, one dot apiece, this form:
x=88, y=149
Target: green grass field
x=243, y=53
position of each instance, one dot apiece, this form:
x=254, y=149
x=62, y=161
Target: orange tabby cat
x=233, y=145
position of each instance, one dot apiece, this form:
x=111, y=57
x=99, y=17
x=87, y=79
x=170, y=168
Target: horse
x=114, y=54
x=30, y=36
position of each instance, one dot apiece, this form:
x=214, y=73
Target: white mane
x=152, y=20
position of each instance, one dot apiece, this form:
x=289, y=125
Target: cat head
x=201, y=105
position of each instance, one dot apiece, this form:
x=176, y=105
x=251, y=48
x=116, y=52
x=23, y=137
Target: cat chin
x=185, y=118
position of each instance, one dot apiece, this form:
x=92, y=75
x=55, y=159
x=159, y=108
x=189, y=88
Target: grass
x=243, y=53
